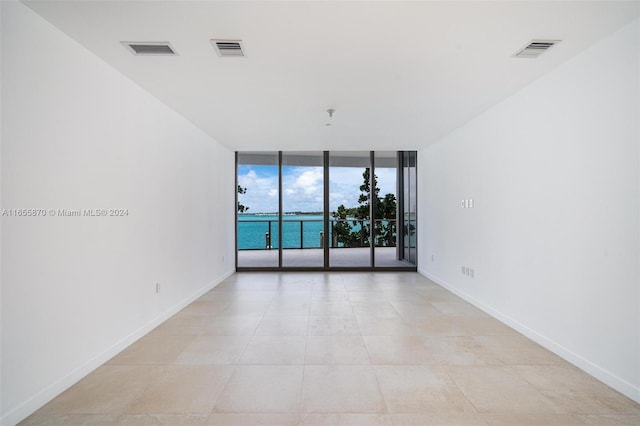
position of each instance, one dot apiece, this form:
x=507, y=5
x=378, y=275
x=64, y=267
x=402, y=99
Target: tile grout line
x=234, y=366
x=304, y=361
x=371, y=366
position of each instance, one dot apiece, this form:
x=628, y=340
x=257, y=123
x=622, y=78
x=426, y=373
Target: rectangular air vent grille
x=536, y=48
x=150, y=48
x=231, y=48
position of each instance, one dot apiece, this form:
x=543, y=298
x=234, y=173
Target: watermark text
x=65, y=212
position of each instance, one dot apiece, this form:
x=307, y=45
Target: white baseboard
x=32, y=404
x=605, y=376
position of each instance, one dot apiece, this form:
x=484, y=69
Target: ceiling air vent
x=231, y=48
x=161, y=48
x=535, y=48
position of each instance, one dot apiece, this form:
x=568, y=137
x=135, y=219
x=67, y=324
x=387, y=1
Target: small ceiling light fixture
x=330, y=111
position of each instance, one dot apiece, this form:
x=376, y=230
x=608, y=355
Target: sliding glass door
x=326, y=210
x=386, y=209
x=258, y=212
x=408, y=206
x=302, y=209
x=349, y=194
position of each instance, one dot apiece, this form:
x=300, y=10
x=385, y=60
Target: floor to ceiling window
x=349, y=206
x=302, y=209
x=385, y=212
x=407, y=207
x=258, y=217
x=326, y=210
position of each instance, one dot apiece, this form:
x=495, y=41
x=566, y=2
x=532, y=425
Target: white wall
x=553, y=237
x=78, y=135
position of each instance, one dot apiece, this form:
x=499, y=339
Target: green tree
x=385, y=215
x=341, y=228
x=386, y=228
x=241, y=207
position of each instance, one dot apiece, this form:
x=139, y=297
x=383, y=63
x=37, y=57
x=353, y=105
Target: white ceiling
x=399, y=74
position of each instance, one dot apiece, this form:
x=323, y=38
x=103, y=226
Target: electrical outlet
x=467, y=271
x=157, y=288
x=467, y=204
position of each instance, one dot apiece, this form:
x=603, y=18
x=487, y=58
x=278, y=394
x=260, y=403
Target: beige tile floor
x=335, y=349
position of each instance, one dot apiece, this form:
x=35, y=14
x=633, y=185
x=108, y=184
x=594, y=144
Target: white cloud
x=303, y=188
x=386, y=181
x=257, y=187
x=344, y=185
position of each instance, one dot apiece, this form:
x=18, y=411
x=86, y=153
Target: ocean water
x=253, y=227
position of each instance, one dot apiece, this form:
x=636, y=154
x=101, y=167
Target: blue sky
x=302, y=187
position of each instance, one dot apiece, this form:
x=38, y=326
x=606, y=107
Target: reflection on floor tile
x=72, y=420
x=181, y=389
x=345, y=419
x=282, y=325
x=333, y=326
x=154, y=349
x=206, y=350
x=575, y=391
x=262, y=419
x=262, y=389
x=163, y=420
x=440, y=419
x=421, y=389
x=531, y=419
x=279, y=350
x=110, y=389
x=335, y=349
x=341, y=389
x=611, y=419
x=499, y=389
